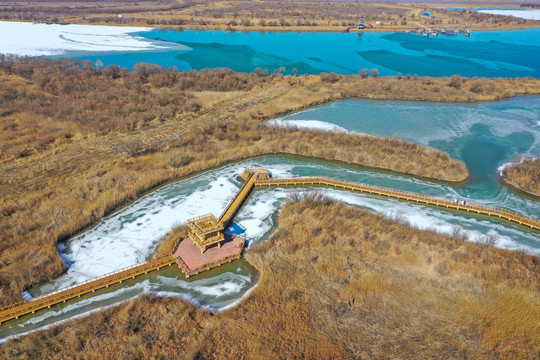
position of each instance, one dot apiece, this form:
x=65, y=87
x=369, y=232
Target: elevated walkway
x=251, y=176
x=402, y=195
x=14, y=311
x=191, y=262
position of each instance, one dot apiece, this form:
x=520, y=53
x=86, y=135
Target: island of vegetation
x=524, y=175
x=336, y=283
x=264, y=15
x=80, y=141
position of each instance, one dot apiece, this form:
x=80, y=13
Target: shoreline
x=275, y=29
x=518, y=174
x=517, y=189
x=384, y=250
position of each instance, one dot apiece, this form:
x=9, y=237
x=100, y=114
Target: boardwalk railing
x=404, y=195
x=77, y=290
x=235, y=204
x=190, y=272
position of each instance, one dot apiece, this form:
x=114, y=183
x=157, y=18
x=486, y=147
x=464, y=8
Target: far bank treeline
x=78, y=141
x=258, y=15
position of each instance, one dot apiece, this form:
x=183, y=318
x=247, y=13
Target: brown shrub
x=524, y=175
x=331, y=300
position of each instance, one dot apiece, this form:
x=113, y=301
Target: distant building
x=361, y=24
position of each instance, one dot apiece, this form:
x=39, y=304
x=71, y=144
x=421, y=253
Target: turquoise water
x=483, y=135
x=487, y=54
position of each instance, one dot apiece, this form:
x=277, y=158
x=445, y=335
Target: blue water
x=513, y=53
x=483, y=135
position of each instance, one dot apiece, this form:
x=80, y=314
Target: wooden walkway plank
x=237, y=201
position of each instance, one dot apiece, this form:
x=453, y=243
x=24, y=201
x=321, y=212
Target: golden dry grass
x=336, y=283
x=51, y=190
x=168, y=244
x=524, y=176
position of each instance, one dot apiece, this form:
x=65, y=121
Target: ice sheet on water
x=420, y=122
x=529, y=14
x=306, y=124
x=256, y=216
x=209, y=290
x=54, y=39
x=212, y=293
x=226, y=288
x=233, y=304
x=418, y=216
x=130, y=235
x=130, y=231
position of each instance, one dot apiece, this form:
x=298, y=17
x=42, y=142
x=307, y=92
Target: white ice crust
x=32, y=39
x=529, y=14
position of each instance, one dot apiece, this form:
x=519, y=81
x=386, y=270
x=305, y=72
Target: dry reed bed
x=50, y=190
x=336, y=282
x=524, y=176
x=249, y=15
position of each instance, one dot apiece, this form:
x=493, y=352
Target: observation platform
x=191, y=261
x=205, y=231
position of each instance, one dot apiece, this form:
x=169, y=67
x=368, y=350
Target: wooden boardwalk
x=241, y=196
x=14, y=311
x=403, y=195
x=256, y=178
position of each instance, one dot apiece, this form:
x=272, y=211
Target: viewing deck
x=205, y=231
x=190, y=260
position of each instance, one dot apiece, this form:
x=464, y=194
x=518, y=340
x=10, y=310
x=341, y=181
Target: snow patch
x=529, y=14
x=31, y=39
x=306, y=124
x=518, y=160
